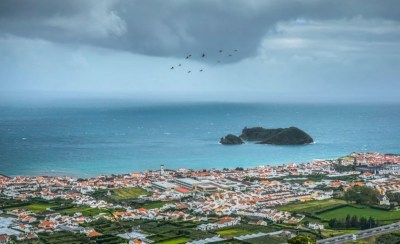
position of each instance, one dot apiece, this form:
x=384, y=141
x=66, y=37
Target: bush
x=302, y=239
x=362, y=195
x=331, y=208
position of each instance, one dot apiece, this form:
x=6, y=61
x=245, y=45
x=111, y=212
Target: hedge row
x=331, y=208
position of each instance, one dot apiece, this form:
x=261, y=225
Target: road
x=361, y=234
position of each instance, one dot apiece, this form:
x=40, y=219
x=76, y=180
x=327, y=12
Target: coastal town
x=240, y=205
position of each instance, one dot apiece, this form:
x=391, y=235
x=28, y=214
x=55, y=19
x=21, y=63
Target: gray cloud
x=176, y=27
x=300, y=50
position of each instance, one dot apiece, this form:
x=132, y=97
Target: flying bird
x=172, y=67
x=220, y=51
x=230, y=55
x=203, y=55
x=201, y=70
x=179, y=64
x=189, y=71
x=235, y=50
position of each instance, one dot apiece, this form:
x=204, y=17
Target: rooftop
x=189, y=181
x=164, y=184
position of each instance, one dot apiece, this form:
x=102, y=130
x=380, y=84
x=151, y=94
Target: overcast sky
x=287, y=51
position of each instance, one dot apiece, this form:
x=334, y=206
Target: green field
x=311, y=206
x=86, y=211
x=160, y=231
x=178, y=240
x=127, y=193
x=6, y=203
x=229, y=233
x=362, y=211
x=120, y=194
x=245, y=229
x=152, y=205
x=110, y=227
x=63, y=237
x=34, y=207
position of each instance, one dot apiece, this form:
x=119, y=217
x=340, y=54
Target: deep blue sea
x=92, y=140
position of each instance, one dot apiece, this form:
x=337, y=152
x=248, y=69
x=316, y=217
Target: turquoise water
x=116, y=139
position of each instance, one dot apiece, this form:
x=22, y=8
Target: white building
x=315, y=226
x=164, y=185
x=188, y=183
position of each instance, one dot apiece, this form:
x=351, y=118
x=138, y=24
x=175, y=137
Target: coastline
x=75, y=174
x=207, y=199
x=6, y=176
x=58, y=173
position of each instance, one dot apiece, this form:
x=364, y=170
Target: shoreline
x=6, y=176
x=94, y=175
x=209, y=199
x=51, y=173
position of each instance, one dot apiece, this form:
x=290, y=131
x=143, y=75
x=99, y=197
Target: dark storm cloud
x=176, y=27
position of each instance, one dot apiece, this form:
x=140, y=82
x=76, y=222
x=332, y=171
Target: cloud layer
x=287, y=50
x=174, y=28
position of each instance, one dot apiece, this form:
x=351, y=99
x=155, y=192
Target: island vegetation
x=260, y=135
x=231, y=139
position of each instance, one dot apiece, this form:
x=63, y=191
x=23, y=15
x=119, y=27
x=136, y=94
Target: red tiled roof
x=181, y=189
x=94, y=233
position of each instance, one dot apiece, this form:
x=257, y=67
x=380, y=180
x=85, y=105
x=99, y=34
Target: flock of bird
x=221, y=53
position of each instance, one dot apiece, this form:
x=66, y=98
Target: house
x=47, y=225
x=316, y=226
x=227, y=221
x=93, y=234
x=4, y=238
x=24, y=228
x=262, y=222
x=205, y=227
x=221, y=223
x=27, y=236
x=26, y=219
x=259, y=222
x=383, y=200
x=136, y=241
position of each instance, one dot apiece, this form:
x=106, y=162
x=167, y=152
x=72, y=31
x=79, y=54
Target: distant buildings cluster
x=250, y=192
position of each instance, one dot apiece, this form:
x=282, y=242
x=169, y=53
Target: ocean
x=92, y=140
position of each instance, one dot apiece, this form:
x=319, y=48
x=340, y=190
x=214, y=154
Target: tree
x=363, y=223
x=394, y=199
x=333, y=223
x=354, y=221
x=348, y=221
x=371, y=222
x=362, y=195
x=302, y=239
